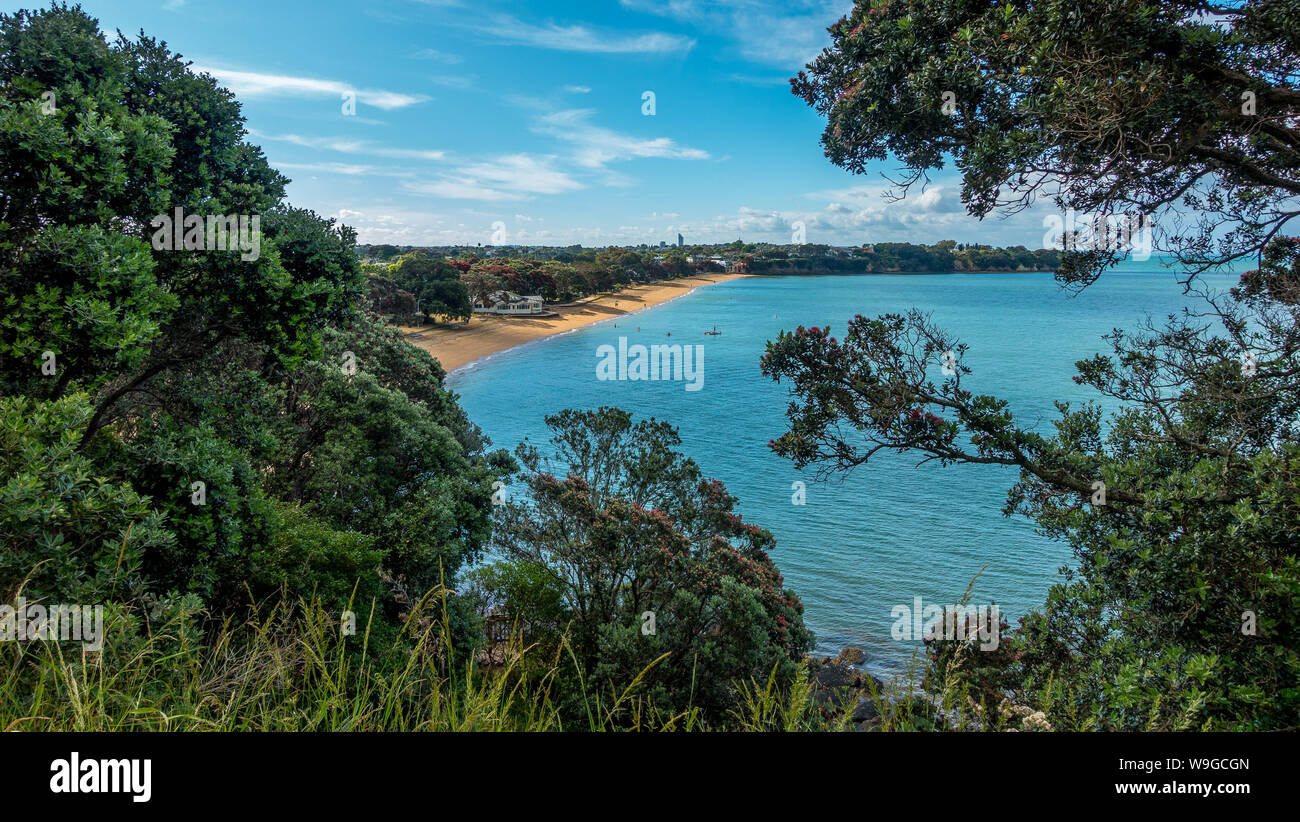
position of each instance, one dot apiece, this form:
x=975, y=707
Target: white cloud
x=386, y=224
x=462, y=188
x=512, y=177
x=934, y=198
x=352, y=146
x=862, y=214
x=786, y=34
x=845, y=224
x=252, y=84
x=578, y=89
x=582, y=39
x=350, y=169
x=596, y=146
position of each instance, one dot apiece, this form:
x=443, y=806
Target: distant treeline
x=765, y=258
x=886, y=258
x=416, y=284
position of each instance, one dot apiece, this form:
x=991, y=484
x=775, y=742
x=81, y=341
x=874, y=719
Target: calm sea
x=892, y=530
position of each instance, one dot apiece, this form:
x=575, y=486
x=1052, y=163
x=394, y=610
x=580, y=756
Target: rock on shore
x=838, y=684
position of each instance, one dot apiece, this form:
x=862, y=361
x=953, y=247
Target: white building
x=508, y=302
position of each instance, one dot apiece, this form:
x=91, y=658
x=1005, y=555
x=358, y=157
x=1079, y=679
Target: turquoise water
x=891, y=530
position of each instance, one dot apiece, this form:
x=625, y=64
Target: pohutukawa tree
x=614, y=523
x=1111, y=107
x=1181, y=607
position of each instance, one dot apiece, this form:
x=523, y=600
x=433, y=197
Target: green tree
x=634, y=528
x=199, y=431
x=1178, y=610
x=1118, y=107
x=437, y=285
x=448, y=299
x=67, y=531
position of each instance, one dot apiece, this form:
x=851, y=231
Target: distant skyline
x=530, y=124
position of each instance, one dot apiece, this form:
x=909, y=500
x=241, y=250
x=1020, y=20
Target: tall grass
x=292, y=669
x=166, y=667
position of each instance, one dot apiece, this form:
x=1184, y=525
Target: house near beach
x=508, y=302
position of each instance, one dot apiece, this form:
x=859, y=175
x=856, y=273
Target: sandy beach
x=458, y=345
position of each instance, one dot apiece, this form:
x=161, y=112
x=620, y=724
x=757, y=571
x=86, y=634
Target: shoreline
x=458, y=348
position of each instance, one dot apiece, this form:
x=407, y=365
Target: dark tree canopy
x=1111, y=107
x=1180, y=609
x=182, y=422
x=613, y=522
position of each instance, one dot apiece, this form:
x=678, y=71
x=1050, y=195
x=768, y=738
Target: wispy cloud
x=581, y=38
x=252, y=84
x=512, y=177
x=349, y=169
x=578, y=89
x=596, y=146
x=787, y=33
x=351, y=146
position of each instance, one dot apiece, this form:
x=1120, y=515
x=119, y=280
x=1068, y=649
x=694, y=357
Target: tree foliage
x=435, y=283
x=1180, y=607
x=612, y=524
x=191, y=423
x=1180, y=109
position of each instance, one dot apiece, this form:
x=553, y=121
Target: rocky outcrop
x=851, y=656
x=840, y=688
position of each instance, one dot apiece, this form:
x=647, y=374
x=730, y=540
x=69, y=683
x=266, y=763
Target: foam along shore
x=456, y=346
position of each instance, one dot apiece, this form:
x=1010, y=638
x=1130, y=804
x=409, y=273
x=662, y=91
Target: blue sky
x=531, y=115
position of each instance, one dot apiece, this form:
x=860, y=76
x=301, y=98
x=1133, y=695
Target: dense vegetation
x=1181, y=608
x=622, y=549
x=557, y=275
x=231, y=451
x=189, y=424
x=906, y=258
x=435, y=284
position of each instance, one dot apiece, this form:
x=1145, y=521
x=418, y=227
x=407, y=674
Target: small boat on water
x=714, y=333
